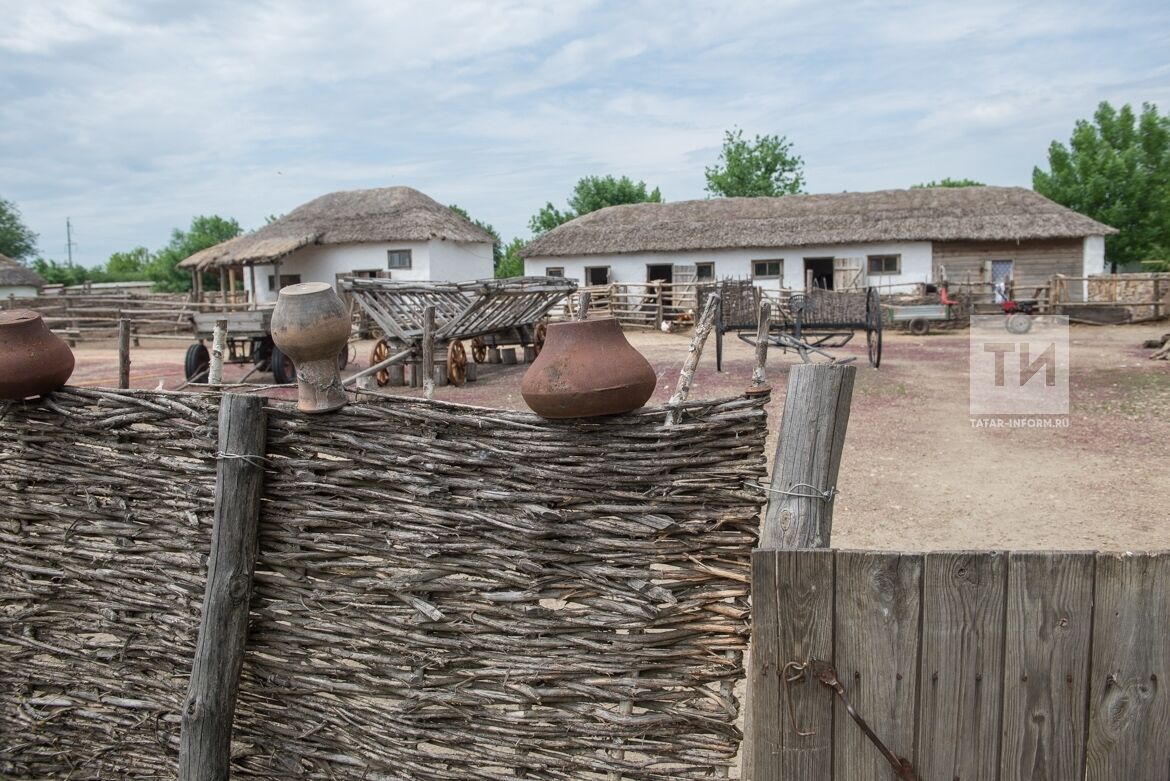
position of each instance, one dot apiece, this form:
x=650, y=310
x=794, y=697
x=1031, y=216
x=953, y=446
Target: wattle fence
x=440, y=591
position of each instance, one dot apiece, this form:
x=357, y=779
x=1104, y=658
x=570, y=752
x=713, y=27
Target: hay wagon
x=249, y=340
x=491, y=313
x=814, y=321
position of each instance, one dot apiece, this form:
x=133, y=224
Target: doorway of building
x=663, y=272
x=822, y=272
x=1001, y=279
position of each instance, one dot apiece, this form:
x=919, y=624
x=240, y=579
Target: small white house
x=891, y=239
x=391, y=232
x=17, y=281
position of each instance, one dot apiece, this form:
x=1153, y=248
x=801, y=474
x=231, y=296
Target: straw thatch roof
x=931, y=214
x=13, y=274
x=349, y=217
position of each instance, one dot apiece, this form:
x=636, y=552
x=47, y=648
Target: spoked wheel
x=380, y=353
x=873, y=327
x=538, y=335
x=457, y=363
x=197, y=362
x=479, y=349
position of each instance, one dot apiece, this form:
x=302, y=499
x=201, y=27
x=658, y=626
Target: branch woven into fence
x=105, y=519
x=445, y=592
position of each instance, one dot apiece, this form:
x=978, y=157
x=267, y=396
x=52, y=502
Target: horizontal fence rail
x=970, y=665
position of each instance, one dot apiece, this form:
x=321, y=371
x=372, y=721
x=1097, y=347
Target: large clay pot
x=33, y=360
x=310, y=325
x=587, y=369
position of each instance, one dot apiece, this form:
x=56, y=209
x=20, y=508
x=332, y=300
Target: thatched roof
x=349, y=217
x=13, y=274
x=931, y=214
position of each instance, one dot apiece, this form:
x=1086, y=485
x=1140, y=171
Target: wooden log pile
x=1161, y=348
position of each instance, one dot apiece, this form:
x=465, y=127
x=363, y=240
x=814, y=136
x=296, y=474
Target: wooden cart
x=493, y=313
x=248, y=341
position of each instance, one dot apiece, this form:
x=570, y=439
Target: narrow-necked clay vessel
x=587, y=369
x=310, y=325
x=33, y=359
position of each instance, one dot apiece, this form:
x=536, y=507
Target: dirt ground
x=916, y=475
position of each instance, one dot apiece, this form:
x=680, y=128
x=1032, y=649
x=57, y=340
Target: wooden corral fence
x=1111, y=298
x=639, y=305
x=975, y=666
x=428, y=590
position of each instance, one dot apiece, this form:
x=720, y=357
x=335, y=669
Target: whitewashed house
x=890, y=239
x=18, y=281
x=394, y=232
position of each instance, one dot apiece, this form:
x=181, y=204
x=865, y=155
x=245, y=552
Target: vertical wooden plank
x=205, y=742
x=961, y=672
x=1046, y=665
x=876, y=655
x=1129, y=705
x=792, y=616
x=123, y=353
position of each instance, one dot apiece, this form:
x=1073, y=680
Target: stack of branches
x=449, y=592
x=1161, y=348
x=105, y=523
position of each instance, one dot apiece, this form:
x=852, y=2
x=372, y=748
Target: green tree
x=764, y=166
x=62, y=273
x=1116, y=169
x=497, y=242
x=512, y=265
x=949, y=182
x=127, y=266
x=204, y=232
x=17, y=241
x=589, y=195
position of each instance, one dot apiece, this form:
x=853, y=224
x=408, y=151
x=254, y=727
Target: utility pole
x=69, y=244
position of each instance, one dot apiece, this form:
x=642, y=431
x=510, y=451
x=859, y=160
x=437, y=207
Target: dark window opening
x=704, y=272
x=884, y=264
x=398, y=258
x=285, y=281
x=767, y=269
x=597, y=275
x=555, y=271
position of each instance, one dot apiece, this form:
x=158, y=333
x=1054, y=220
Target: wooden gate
x=985, y=666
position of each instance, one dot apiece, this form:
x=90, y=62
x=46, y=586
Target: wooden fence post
x=205, y=744
x=808, y=455
x=428, y=351
x=218, y=343
x=799, y=514
x=123, y=353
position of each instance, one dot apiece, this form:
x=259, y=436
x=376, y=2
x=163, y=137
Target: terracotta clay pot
x=587, y=369
x=33, y=360
x=310, y=325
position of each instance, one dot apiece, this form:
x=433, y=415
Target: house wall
x=430, y=261
x=17, y=291
x=626, y=268
x=1035, y=262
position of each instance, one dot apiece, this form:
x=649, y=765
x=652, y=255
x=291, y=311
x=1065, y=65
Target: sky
x=130, y=118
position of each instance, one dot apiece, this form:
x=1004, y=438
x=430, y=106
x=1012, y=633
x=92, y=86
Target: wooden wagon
x=248, y=341
x=492, y=313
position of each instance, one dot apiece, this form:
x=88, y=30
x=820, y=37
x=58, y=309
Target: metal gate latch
x=826, y=674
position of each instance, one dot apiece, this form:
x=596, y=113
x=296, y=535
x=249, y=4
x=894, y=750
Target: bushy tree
x=129, y=265
x=1116, y=169
x=204, y=232
x=763, y=166
x=56, y=273
x=949, y=182
x=512, y=265
x=497, y=242
x=17, y=241
x=589, y=195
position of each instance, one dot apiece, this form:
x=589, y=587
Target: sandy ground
x=916, y=475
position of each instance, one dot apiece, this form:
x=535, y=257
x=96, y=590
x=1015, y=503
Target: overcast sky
x=132, y=117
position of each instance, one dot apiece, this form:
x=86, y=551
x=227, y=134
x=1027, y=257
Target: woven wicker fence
x=441, y=592
x=105, y=520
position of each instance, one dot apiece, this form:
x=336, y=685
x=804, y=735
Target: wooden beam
x=205, y=742
x=123, y=353
x=428, y=351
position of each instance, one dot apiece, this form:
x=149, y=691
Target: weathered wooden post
x=428, y=351
x=582, y=312
x=205, y=743
x=123, y=353
x=218, y=342
x=763, y=327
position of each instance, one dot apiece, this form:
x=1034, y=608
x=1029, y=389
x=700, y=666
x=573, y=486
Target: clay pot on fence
x=33, y=360
x=587, y=369
x=311, y=325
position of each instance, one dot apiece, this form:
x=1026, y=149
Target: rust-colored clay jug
x=33, y=359
x=587, y=369
x=310, y=325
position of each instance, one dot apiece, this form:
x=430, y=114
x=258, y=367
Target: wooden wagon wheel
x=479, y=349
x=380, y=353
x=457, y=363
x=538, y=336
x=873, y=327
